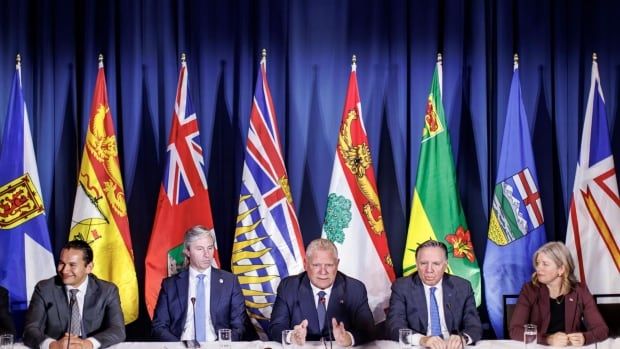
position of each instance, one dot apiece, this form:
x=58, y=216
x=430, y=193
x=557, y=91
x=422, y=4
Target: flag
x=100, y=212
x=183, y=200
x=353, y=220
x=516, y=223
x=436, y=212
x=267, y=246
x=593, y=233
x=25, y=250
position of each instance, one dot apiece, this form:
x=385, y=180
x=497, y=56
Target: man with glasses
x=322, y=303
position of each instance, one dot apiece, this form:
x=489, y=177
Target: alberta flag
x=516, y=224
x=436, y=212
x=353, y=220
x=593, y=234
x=267, y=246
x=25, y=249
x=99, y=211
x=183, y=200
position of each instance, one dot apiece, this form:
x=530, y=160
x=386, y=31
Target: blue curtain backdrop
x=310, y=44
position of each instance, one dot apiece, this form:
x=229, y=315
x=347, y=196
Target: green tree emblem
x=337, y=217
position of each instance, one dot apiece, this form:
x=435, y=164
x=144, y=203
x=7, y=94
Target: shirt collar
x=193, y=273
x=82, y=287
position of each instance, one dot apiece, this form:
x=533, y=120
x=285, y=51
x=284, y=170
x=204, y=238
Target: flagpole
x=440, y=65
x=594, y=57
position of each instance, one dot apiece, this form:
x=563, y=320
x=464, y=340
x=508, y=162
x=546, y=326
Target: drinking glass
x=225, y=336
x=287, y=341
x=530, y=336
x=404, y=338
x=6, y=341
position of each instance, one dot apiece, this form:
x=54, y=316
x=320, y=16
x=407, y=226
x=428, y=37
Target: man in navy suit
x=439, y=308
x=212, y=294
x=322, y=302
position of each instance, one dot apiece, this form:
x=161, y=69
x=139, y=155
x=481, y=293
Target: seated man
x=213, y=294
x=322, y=302
x=6, y=323
x=74, y=307
x=438, y=307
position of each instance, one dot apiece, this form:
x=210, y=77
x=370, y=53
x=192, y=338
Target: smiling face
x=200, y=252
x=547, y=271
x=72, y=268
x=431, y=263
x=322, y=267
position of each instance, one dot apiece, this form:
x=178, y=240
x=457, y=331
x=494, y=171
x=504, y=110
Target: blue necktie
x=435, y=323
x=321, y=310
x=200, y=309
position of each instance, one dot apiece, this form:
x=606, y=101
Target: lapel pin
x=570, y=299
x=221, y=281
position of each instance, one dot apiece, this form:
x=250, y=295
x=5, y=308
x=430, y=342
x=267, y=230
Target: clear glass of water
x=530, y=336
x=404, y=338
x=225, y=337
x=6, y=341
x=287, y=337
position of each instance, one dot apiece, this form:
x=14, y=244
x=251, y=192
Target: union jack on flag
x=185, y=166
x=267, y=245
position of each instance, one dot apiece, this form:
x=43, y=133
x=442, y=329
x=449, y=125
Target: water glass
x=6, y=341
x=530, y=336
x=225, y=337
x=405, y=337
x=287, y=339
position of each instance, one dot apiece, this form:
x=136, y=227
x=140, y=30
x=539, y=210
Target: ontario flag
x=593, y=234
x=353, y=220
x=268, y=245
x=183, y=200
x=99, y=211
x=25, y=249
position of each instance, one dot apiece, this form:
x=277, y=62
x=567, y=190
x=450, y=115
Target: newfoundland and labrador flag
x=99, y=211
x=437, y=212
x=25, y=249
x=516, y=224
x=353, y=220
x=593, y=234
x=183, y=200
x=268, y=245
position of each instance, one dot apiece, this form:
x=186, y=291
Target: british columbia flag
x=267, y=245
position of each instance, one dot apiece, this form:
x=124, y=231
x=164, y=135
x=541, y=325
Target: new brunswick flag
x=99, y=212
x=437, y=212
x=353, y=219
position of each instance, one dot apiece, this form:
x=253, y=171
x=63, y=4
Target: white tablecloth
x=484, y=344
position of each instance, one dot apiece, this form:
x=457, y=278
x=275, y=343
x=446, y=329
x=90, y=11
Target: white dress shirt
x=188, y=328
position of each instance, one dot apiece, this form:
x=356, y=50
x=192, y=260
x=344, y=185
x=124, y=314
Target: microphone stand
x=457, y=330
x=194, y=342
x=71, y=303
x=329, y=331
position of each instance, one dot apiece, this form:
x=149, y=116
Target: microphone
x=456, y=329
x=193, y=343
x=328, y=323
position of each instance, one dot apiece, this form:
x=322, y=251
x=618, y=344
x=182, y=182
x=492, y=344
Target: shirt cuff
x=352, y=339
x=415, y=338
x=468, y=339
x=96, y=344
x=46, y=343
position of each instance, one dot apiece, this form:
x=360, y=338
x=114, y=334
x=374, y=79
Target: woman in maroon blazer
x=563, y=309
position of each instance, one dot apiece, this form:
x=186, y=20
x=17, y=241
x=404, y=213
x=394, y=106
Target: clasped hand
x=73, y=341
x=341, y=335
x=452, y=342
x=561, y=339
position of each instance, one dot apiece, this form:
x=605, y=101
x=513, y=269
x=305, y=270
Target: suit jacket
x=227, y=305
x=48, y=314
x=580, y=312
x=6, y=323
x=408, y=308
x=348, y=302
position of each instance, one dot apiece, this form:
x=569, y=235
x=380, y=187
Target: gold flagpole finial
x=439, y=58
x=183, y=58
x=594, y=57
x=515, y=58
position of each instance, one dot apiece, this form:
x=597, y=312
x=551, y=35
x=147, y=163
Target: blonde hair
x=323, y=245
x=559, y=254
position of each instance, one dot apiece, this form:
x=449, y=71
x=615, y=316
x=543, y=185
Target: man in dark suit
x=322, y=302
x=439, y=308
x=74, y=307
x=212, y=294
x=6, y=323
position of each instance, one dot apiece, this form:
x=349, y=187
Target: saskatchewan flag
x=437, y=212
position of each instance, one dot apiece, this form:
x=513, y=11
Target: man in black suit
x=6, y=323
x=74, y=307
x=439, y=308
x=322, y=302
x=223, y=305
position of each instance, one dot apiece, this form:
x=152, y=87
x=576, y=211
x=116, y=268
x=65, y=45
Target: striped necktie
x=201, y=327
x=435, y=323
x=321, y=309
x=76, y=319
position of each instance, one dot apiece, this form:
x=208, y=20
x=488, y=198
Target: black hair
x=83, y=246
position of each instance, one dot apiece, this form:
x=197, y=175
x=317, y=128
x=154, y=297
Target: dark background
x=310, y=44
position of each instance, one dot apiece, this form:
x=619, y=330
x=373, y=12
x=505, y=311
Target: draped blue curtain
x=310, y=44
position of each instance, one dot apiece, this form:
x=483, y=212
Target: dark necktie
x=321, y=309
x=201, y=335
x=435, y=323
x=76, y=319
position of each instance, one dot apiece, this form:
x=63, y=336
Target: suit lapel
x=215, y=292
x=93, y=294
x=448, y=293
x=62, y=304
x=307, y=304
x=420, y=300
x=335, y=299
x=182, y=284
x=570, y=310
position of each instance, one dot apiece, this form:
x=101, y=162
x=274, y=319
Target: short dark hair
x=83, y=246
x=432, y=243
